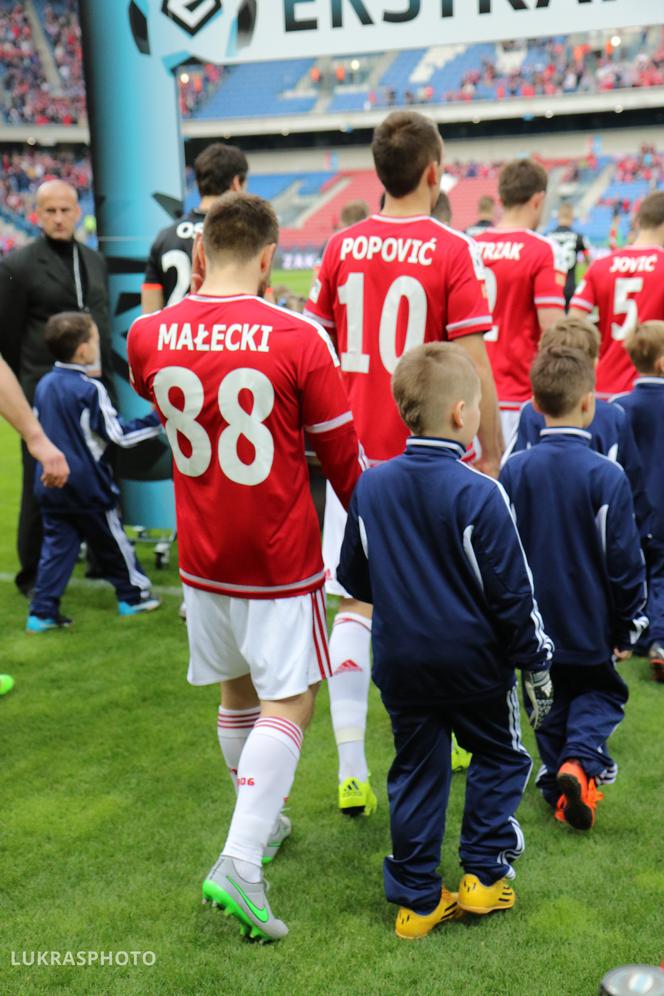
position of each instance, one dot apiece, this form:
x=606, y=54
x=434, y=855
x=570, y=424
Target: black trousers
x=30, y=531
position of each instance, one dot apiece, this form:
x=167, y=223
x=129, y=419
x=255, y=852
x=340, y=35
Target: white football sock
x=233, y=728
x=350, y=644
x=264, y=778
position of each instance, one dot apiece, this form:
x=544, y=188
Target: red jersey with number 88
x=627, y=287
x=384, y=286
x=524, y=272
x=237, y=381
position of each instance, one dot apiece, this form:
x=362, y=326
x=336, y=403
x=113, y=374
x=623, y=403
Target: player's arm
x=468, y=318
x=549, y=280
x=583, y=247
x=106, y=423
x=625, y=567
x=16, y=410
x=320, y=303
x=328, y=420
x=490, y=433
x=505, y=578
x=353, y=569
x=584, y=299
x=152, y=298
x=152, y=289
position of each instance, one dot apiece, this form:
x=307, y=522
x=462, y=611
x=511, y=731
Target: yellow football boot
x=477, y=898
x=410, y=925
x=357, y=798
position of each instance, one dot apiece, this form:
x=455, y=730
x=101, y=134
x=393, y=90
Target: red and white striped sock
x=350, y=645
x=264, y=779
x=233, y=728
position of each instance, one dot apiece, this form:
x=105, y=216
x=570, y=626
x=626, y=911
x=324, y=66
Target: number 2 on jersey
x=351, y=294
x=239, y=422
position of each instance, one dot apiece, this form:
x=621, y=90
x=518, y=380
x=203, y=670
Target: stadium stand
x=259, y=90
x=441, y=74
x=604, y=190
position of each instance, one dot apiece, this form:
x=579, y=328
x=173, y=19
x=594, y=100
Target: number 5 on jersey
x=183, y=421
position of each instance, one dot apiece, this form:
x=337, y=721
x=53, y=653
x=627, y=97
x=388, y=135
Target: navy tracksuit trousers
x=418, y=786
x=588, y=704
x=102, y=530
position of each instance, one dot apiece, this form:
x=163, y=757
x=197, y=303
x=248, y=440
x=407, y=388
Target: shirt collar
x=653, y=381
x=447, y=446
x=571, y=432
x=77, y=367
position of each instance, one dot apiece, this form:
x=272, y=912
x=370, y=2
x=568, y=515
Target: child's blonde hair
x=645, y=345
x=560, y=376
x=430, y=378
x=575, y=333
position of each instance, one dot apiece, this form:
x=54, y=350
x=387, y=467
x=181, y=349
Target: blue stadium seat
x=256, y=90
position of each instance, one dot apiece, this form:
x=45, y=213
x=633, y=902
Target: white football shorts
x=280, y=642
x=334, y=526
x=509, y=419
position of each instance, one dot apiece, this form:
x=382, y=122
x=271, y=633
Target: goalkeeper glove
x=539, y=689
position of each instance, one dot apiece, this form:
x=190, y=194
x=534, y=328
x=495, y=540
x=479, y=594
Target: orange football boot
x=579, y=798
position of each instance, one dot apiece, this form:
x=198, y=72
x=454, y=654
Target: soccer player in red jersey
x=386, y=284
x=525, y=276
x=237, y=381
x=627, y=287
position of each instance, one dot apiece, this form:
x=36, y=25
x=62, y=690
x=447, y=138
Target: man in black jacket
x=52, y=274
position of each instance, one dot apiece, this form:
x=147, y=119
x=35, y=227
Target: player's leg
x=60, y=547
x=491, y=837
x=105, y=536
x=594, y=713
x=418, y=785
x=284, y=643
x=350, y=656
x=238, y=713
x=509, y=421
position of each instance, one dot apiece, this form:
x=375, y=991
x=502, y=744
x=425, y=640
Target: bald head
x=58, y=209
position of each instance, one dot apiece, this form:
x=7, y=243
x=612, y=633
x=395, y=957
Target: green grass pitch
x=114, y=802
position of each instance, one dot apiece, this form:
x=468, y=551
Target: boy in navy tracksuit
x=644, y=408
x=575, y=514
x=613, y=435
x=431, y=543
x=77, y=414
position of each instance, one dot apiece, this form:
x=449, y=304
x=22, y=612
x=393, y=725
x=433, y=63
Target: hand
x=621, y=655
x=55, y=466
x=197, y=265
x=489, y=466
x=539, y=689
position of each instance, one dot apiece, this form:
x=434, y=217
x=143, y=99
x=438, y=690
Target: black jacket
x=35, y=283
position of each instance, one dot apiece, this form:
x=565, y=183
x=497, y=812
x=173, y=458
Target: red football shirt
x=523, y=272
x=384, y=286
x=237, y=381
x=627, y=287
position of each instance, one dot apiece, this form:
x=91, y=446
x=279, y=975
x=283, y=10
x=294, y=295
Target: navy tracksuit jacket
x=644, y=408
x=77, y=415
x=612, y=435
x=432, y=544
x=575, y=516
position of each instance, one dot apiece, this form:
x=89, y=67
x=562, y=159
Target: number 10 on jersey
x=351, y=294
